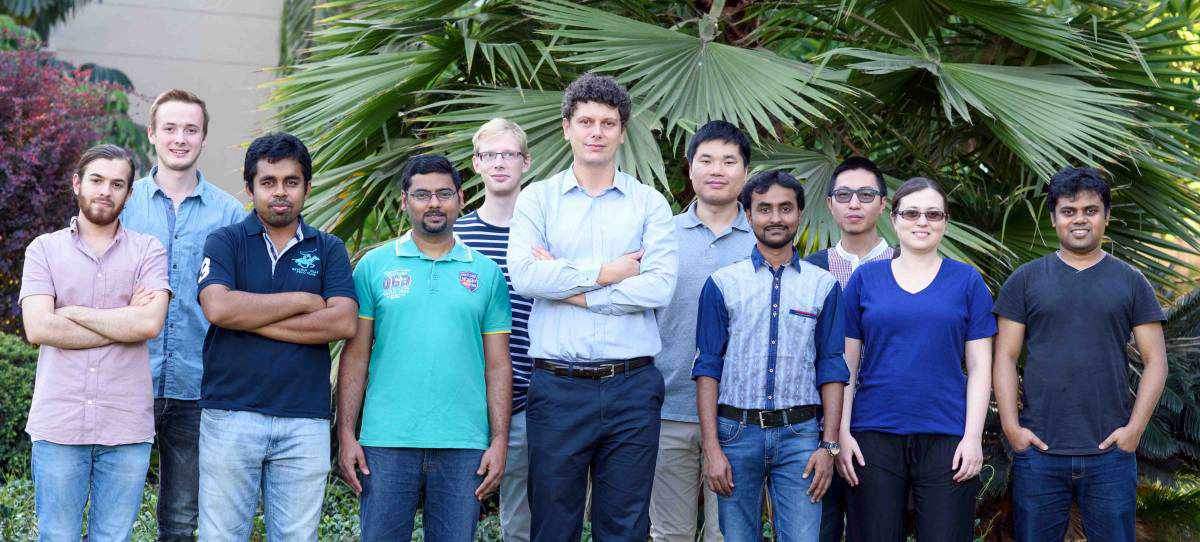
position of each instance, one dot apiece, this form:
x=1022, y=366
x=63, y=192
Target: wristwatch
x=831, y=447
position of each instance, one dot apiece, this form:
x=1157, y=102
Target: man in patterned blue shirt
x=770, y=338
x=501, y=158
x=175, y=204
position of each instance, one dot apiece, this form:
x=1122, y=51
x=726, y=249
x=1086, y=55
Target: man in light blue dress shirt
x=176, y=205
x=595, y=249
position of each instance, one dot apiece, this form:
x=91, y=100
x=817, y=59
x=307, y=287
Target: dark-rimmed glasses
x=444, y=194
x=865, y=195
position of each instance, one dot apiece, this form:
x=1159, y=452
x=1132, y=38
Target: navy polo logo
x=306, y=263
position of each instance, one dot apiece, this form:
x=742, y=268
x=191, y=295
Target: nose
x=854, y=203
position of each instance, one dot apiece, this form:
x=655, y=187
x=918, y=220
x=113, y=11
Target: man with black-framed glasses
x=433, y=327
x=856, y=198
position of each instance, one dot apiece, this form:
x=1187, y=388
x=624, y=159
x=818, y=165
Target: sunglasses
x=912, y=215
x=865, y=195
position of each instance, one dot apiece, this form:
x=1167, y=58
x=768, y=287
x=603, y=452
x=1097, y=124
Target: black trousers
x=897, y=464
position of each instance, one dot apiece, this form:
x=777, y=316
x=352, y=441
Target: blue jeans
x=177, y=429
x=65, y=475
x=398, y=475
x=776, y=457
x=246, y=454
x=608, y=427
x=1104, y=486
x=514, y=487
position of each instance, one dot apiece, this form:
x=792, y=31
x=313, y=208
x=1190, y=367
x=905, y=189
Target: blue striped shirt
x=492, y=241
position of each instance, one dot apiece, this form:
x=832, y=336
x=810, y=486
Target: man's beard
x=99, y=217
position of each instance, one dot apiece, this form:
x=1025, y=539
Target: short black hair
x=428, y=163
x=719, y=130
x=1070, y=181
x=274, y=147
x=857, y=162
x=602, y=89
x=761, y=182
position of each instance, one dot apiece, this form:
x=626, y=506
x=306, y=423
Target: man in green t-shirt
x=438, y=378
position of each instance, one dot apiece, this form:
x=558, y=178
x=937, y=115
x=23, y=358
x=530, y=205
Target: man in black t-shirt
x=1074, y=311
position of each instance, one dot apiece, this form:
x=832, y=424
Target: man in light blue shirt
x=176, y=205
x=713, y=232
x=595, y=249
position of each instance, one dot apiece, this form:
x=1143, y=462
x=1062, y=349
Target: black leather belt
x=769, y=418
x=594, y=371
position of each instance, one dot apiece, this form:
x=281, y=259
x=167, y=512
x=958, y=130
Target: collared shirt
x=427, y=386
x=96, y=395
x=492, y=241
x=176, y=354
x=701, y=253
x=250, y=372
x=772, y=337
x=877, y=252
x=273, y=253
x=842, y=264
x=584, y=232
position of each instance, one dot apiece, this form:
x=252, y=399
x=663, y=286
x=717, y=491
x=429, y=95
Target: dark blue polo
x=246, y=371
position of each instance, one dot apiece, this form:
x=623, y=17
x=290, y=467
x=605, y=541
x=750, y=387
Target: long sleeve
x=654, y=286
x=830, y=341
x=553, y=279
x=712, y=332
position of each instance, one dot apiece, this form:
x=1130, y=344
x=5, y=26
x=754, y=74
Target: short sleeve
x=1010, y=304
x=498, y=317
x=981, y=323
x=851, y=303
x=35, y=276
x=338, y=279
x=364, y=288
x=1145, y=305
x=219, y=263
x=152, y=271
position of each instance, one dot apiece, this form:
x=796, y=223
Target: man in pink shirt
x=92, y=294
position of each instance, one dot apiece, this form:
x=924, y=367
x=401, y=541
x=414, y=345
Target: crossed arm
x=295, y=317
x=76, y=328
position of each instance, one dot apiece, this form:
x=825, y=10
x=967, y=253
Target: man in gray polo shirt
x=712, y=232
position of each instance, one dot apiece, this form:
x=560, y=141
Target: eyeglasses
x=444, y=194
x=492, y=156
x=865, y=195
x=932, y=215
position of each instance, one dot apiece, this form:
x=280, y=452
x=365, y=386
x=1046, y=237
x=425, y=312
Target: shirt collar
x=254, y=226
x=201, y=190
x=406, y=248
x=74, y=227
x=875, y=252
x=757, y=259
x=568, y=181
x=691, y=219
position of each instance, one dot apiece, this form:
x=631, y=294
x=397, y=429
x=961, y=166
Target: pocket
x=216, y=413
x=728, y=430
x=806, y=429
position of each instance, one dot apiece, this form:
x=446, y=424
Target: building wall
x=219, y=49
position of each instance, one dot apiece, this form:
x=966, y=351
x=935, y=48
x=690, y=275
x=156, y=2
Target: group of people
x=574, y=346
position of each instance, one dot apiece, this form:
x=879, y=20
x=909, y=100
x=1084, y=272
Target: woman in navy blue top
x=912, y=421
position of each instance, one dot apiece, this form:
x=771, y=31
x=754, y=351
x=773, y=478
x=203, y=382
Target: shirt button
x=772, y=341
x=89, y=401
x=770, y=397
x=775, y=306
x=91, y=369
x=770, y=370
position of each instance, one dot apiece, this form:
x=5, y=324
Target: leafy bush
x=18, y=361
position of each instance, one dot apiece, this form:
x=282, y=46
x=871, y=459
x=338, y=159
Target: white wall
x=218, y=49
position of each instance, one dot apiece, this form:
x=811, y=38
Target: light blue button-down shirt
x=583, y=233
x=176, y=355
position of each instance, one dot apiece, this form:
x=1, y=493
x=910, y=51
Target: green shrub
x=18, y=363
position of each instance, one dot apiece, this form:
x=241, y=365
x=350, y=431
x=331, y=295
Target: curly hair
x=1070, y=181
x=602, y=89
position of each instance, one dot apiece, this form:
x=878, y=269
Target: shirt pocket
x=796, y=330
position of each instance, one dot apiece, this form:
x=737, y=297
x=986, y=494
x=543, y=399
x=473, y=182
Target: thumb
x=638, y=254
x=1108, y=441
x=957, y=460
x=807, y=469
x=362, y=465
x=1038, y=442
x=482, y=467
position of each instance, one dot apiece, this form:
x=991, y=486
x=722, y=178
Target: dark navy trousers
x=607, y=427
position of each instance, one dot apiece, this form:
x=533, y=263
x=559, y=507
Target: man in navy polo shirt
x=277, y=292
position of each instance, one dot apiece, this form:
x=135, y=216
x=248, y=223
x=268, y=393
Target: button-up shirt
x=97, y=395
x=176, y=355
x=583, y=232
x=771, y=337
x=701, y=252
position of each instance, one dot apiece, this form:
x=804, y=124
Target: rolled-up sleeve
x=712, y=332
x=830, y=341
x=546, y=279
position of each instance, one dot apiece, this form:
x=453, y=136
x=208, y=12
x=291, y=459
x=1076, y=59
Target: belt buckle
x=612, y=371
x=762, y=421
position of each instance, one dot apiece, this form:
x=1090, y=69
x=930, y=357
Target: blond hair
x=496, y=127
x=177, y=95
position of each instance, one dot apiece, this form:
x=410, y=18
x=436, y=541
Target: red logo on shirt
x=469, y=280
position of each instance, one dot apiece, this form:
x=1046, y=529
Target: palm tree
x=987, y=96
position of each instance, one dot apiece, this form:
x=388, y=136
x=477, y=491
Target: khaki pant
x=677, y=482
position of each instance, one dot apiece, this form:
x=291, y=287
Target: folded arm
x=44, y=327
x=654, y=285
x=545, y=279
x=244, y=311
x=132, y=324
x=333, y=323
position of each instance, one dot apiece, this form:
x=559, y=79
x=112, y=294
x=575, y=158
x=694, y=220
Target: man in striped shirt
x=502, y=158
